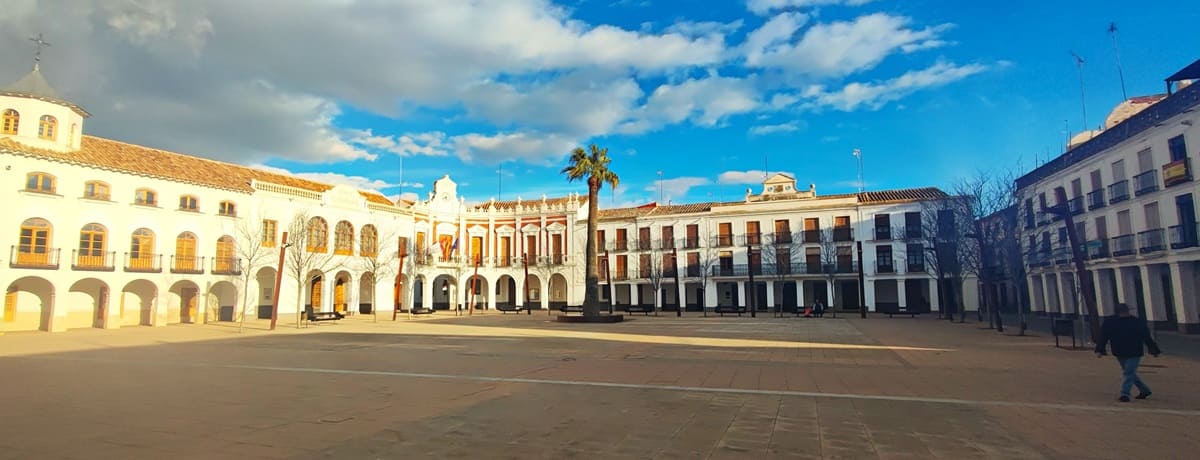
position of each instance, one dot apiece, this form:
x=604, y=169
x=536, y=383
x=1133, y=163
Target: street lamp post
x=862, y=288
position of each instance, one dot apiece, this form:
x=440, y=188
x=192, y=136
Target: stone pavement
x=518, y=386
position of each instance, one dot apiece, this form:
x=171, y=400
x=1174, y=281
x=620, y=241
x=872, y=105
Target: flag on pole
x=857, y=153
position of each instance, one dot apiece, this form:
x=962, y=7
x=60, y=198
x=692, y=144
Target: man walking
x=1128, y=335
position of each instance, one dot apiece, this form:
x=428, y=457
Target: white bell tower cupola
x=33, y=114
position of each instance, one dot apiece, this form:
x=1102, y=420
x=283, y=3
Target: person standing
x=819, y=309
x=1129, y=338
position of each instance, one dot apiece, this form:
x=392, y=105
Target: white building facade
x=107, y=234
x=1131, y=192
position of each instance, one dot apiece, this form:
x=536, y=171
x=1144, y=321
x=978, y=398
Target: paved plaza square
x=522, y=386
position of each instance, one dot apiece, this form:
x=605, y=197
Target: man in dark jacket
x=1128, y=335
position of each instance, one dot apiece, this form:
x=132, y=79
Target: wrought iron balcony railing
x=34, y=257
x=1095, y=199
x=92, y=261
x=1118, y=192
x=143, y=263
x=1152, y=240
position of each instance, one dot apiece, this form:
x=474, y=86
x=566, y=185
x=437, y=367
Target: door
x=187, y=313
x=10, y=306
x=339, y=296
x=505, y=250
x=316, y=294
x=1186, y=210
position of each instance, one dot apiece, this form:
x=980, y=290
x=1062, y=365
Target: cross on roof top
x=38, y=43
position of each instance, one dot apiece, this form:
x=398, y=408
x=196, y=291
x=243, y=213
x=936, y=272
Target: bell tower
x=33, y=114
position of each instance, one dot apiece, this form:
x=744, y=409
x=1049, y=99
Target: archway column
x=57, y=321
x=112, y=310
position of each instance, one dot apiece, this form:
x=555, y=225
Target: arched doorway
x=558, y=290
x=417, y=292
x=445, y=292
x=265, y=280
x=87, y=304
x=28, y=305
x=366, y=293
x=223, y=302
x=506, y=291
x=183, y=303
x=314, y=292
x=341, y=288
x=477, y=291
x=532, y=291
x=136, y=303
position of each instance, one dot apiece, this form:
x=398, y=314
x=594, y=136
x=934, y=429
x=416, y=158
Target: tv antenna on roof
x=1082, y=97
x=1112, y=30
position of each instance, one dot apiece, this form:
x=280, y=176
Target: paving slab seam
x=739, y=391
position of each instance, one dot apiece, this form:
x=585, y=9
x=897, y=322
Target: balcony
x=92, y=261
x=37, y=258
x=886, y=265
x=1097, y=251
x=911, y=232
x=782, y=237
x=1145, y=182
x=1075, y=205
x=1095, y=199
x=723, y=241
x=1039, y=259
x=143, y=263
x=1177, y=172
x=1122, y=246
x=843, y=266
x=643, y=244
x=1043, y=218
x=1182, y=236
x=504, y=261
x=620, y=275
x=1118, y=192
x=1152, y=240
x=882, y=233
x=187, y=265
x=729, y=270
x=667, y=243
x=692, y=271
x=691, y=243
x=556, y=259
x=916, y=265
x=752, y=239
x=620, y=245
x=1061, y=254
x=813, y=267
x=226, y=266
x=841, y=234
x=812, y=236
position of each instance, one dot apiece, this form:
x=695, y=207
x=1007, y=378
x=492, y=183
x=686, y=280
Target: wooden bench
x=895, y=310
x=722, y=310
x=571, y=308
x=315, y=316
x=507, y=308
x=421, y=311
x=643, y=309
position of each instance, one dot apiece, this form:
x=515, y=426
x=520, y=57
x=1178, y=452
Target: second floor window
x=268, y=233
x=343, y=241
x=227, y=208
x=11, y=120
x=188, y=203
x=39, y=182
x=145, y=197
x=96, y=190
x=48, y=128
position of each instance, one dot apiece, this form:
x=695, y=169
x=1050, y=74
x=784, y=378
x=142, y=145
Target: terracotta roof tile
x=144, y=161
x=902, y=195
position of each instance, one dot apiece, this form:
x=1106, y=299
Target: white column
x=770, y=294
x=1152, y=285
x=1125, y=288
x=868, y=293
x=901, y=294
x=1105, y=293
x=633, y=293
x=741, y=293
x=710, y=295
x=1183, y=288
x=427, y=293
x=800, y=292
x=935, y=298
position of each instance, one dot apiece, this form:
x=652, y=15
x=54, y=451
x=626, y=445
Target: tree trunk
x=591, y=297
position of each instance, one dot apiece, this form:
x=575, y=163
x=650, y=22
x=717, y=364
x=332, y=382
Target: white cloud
x=788, y=127
x=775, y=33
x=761, y=7
x=704, y=102
x=705, y=28
x=753, y=176
x=427, y=144
x=532, y=147
x=676, y=188
x=330, y=178
x=573, y=104
x=875, y=95
x=844, y=47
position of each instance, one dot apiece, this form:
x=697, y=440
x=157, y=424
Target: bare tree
x=309, y=252
x=778, y=253
x=709, y=257
x=380, y=258
x=951, y=251
x=250, y=255
x=992, y=203
x=657, y=275
x=835, y=259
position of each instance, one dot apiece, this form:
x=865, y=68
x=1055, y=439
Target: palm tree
x=592, y=165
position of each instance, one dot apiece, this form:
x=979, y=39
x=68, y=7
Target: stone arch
x=183, y=303
x=445, y=292
x=87, y=304
x=343, y=284
x=222, y=302
x=264, y=291
x=506, y=291
x=558, y=294
x=415, y=290
x=366, y=293
x=136, y=303
x=28, y=305
x=314, y=294
x=476, y=291
x=531, y=290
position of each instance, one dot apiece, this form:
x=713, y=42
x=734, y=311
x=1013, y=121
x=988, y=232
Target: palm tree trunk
x=591, y=287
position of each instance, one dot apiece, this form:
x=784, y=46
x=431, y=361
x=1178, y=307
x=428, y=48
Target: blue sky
x=706, y=92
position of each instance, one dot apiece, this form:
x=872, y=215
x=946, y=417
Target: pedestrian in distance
x=1129, y=338
x=819, y=309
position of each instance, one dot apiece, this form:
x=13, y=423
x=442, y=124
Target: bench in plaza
x=894, y=309
x=722, y=310
x=571, y=308
x=507, y=308
x=643, y=309
x=315, y=316
x=421, y=311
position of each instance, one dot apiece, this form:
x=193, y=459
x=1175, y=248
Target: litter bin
x=1063, y=328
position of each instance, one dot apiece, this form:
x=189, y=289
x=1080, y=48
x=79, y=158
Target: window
x=91, y=246
x=96, y=190
x=145, y=197
x=225, y=262
x=318, y=235
x=227, y=208
x=268, y=233
x=185, y=252
x=33, y=248
x=141, y=249
x=343, y=242
x=1177, y=147
x=12, y=119
x=39, y=182
x=188, y=203
x=48, y=128
x=369, y=244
